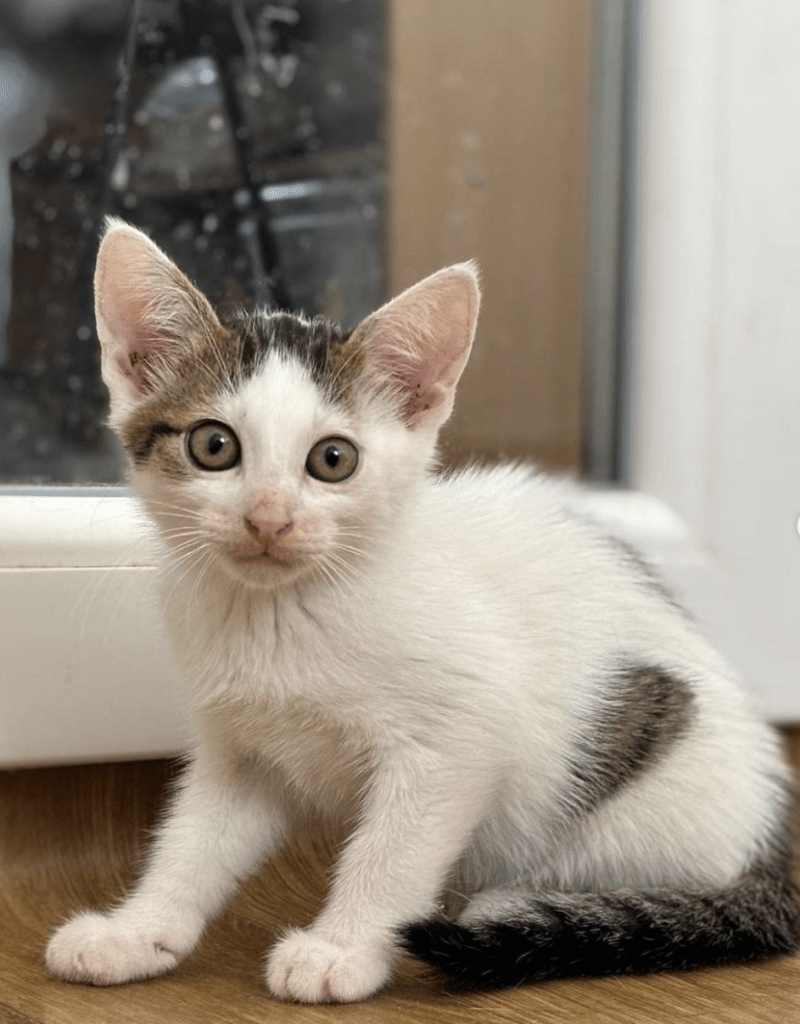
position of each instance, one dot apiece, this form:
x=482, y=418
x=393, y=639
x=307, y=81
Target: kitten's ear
x=417, y=345
x=144, y=306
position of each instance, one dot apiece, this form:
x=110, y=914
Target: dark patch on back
x=643, y=712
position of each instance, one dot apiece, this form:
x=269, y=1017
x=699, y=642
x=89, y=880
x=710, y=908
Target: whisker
x=342, y=575
x=189, y=562
x=202, y=569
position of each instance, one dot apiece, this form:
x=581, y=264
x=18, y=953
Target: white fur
x=421, y=671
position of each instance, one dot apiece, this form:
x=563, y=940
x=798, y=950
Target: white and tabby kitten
x=545, y=768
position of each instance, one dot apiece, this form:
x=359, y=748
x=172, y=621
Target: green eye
x=213, y=446
x=332, y=460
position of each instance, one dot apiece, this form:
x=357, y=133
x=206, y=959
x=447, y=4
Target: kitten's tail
x=551, y=935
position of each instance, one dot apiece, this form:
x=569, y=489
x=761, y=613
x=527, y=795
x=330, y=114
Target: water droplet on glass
x=84, y=333
x=216, y=123
x=121, y=173
x=210, y=223
x=184, y=232
x=241, y=199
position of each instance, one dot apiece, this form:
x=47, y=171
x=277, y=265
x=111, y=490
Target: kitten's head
x=270, y=444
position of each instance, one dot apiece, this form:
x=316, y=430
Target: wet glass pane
x=246, y=137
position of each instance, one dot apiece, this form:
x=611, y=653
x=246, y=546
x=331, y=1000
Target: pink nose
x=263, y=523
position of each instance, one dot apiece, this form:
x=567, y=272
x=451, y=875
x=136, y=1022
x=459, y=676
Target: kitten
x=545, y=768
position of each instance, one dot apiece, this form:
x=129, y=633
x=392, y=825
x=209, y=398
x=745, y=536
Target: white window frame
x=86, y=673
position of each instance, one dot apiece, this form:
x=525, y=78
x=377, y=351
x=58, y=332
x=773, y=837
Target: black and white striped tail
x=571, y=934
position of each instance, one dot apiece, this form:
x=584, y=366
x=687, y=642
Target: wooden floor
x=72, y=837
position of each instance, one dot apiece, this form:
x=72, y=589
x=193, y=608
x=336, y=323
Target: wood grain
x=488, y=158
x=73, y=837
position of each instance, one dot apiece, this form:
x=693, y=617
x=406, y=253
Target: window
x=710, y=425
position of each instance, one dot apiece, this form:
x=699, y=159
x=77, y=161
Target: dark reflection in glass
x=244, y=136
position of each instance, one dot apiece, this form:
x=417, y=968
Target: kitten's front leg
x=220, y=826
x=416, y=822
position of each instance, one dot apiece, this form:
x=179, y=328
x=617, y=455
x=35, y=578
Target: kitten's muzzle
x=266, y=536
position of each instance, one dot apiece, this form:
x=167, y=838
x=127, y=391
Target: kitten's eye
x=332, y=460
x=213, y=446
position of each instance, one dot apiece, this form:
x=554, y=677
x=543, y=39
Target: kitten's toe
x=100, y=950
x=309, y=969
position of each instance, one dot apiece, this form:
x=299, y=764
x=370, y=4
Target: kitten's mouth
x=268, y=555
x=263, y=558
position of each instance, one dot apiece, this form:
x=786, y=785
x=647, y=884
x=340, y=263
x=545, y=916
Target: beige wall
x=488, y=159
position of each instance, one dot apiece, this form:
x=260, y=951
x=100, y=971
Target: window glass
x=244, y=136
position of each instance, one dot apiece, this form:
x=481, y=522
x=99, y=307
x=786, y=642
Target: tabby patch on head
x=218, y=362
x=318, y=345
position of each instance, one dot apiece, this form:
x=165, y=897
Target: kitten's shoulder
x=510, y=486
x=516, y=507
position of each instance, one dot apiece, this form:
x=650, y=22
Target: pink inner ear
x=420, y=400
x=424, y=337
x=144, y=305
x=135, y=342
x=131, y=363
x=425, y=385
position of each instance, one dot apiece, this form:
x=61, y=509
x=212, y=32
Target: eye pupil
x=332, y=456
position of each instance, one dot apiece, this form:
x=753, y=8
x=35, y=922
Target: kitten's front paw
x=102, y=950
x=313, y=970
